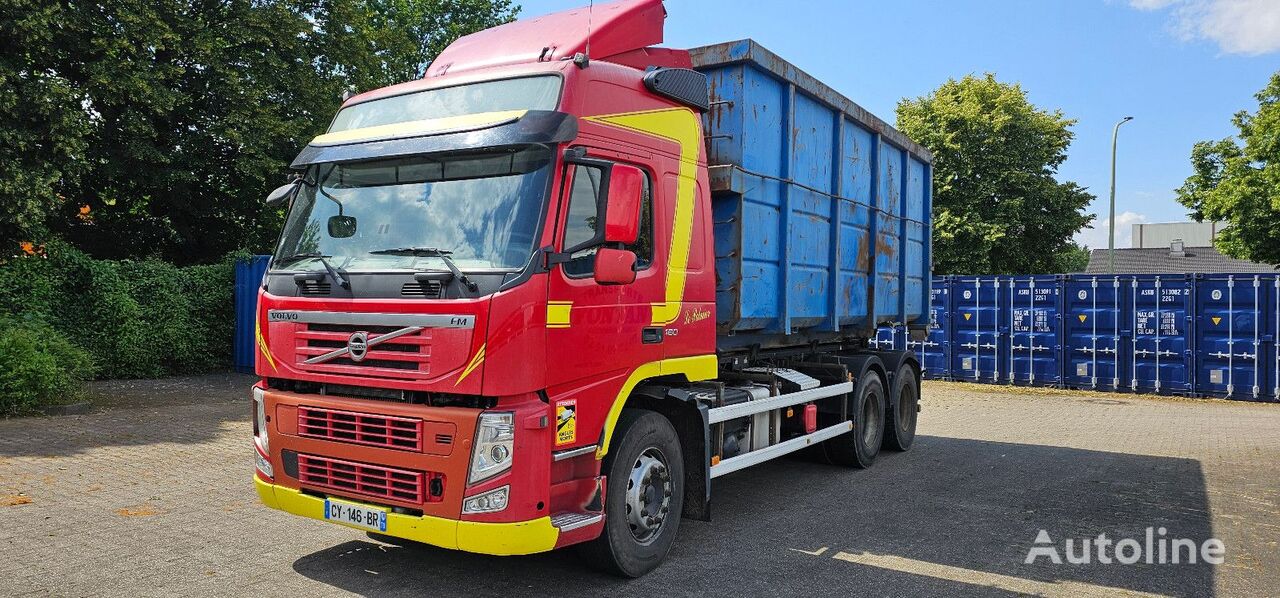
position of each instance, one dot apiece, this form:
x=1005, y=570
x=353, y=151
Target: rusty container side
x=822, y=210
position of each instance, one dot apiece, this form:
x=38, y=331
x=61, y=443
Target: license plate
x=355, y=514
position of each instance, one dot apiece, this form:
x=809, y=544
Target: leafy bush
x=39, y=365
x=137, y=319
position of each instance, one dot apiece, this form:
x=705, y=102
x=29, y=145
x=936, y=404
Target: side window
x=580, y=226
x=583, y=219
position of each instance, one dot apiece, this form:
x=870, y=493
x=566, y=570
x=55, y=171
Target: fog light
x=489, y=502
x=263, y=464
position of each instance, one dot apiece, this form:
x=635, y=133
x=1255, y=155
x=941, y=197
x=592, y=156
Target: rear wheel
x=900, y=425
x=866, y=408
x=644, y=496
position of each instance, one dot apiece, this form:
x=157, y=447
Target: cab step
x=571, y=521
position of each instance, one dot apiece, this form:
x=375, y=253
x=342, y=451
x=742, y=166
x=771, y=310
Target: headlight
x=495, y=440
x=260, y=418
x=488, y=502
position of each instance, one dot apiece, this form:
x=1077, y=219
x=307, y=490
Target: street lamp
x=1111, y=238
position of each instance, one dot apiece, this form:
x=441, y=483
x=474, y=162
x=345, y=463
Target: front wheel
x=643, y=498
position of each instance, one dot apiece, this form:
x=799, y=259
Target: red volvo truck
x=548, y=293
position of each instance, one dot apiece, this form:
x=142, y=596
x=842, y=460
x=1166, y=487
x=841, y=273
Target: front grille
x=313, y=287
x=402, y=433
x=405, y=357
x=365, y=480
x=429, y=289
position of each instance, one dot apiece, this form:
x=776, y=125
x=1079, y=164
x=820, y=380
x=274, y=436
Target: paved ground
x=151, y=495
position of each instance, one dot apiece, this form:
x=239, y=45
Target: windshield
x=525, y=93
x=482, y=209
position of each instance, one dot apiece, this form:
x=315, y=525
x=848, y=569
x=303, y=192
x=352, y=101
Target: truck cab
x=489, y=289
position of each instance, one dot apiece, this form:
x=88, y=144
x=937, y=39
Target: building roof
x=1203, y=260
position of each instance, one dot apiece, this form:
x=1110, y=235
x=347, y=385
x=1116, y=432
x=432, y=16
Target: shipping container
x=976, y=328
x=1161, y=326
x=1032, y=311
x=248, y=281
x=822, y=210
x=1093, y=350
x=934, y=351
x=890, y=337
x=1236, y=336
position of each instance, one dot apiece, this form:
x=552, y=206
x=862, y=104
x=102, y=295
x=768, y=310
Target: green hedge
x=136, y=319
x=38, y=366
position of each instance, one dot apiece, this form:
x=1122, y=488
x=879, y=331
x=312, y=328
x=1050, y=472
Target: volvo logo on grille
x=358, y=346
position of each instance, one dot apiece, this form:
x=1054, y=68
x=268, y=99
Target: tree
x=42, y=129
x=997, y=207
x=1240, y=184
x=179, y=115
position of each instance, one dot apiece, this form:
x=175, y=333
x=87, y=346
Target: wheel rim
x=907, y=408
x=648, y=495
x=871, y=418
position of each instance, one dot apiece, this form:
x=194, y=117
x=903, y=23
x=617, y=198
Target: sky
x=1181, y=68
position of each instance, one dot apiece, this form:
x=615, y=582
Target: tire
x=645, y=447
x=900, y=419
x=866, y=407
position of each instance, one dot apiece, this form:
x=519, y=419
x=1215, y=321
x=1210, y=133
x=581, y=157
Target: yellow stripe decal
x=418, y=128
x=262, y=345
x=558, y=313
x=472, y=365
x=697, y=367
x=679, y=125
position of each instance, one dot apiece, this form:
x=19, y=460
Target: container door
x=1274, y=336
x=1032, y=350
x=1091, y=322
x=976, y=329
x=935, y=350
x=1232, y=327
x=1160, y=339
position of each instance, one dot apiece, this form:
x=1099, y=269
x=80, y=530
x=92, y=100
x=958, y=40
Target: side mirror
x=341, y=227
x=283, y=193
x=615, y=266
x=622, y=212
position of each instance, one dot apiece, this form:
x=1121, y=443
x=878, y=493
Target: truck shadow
x=951, y=517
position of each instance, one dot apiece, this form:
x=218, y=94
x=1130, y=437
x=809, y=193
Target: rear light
x=810, y=418
x=495, y=440
x=487, y=502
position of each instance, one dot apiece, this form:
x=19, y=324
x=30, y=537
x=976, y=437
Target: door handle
x=651, y=336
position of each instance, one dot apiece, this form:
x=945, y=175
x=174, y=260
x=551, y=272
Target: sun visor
x=473, y=131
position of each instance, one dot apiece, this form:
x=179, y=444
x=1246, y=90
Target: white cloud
x=1095, y=237
x=1249, y=27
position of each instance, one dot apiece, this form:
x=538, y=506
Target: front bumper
x=521, y=537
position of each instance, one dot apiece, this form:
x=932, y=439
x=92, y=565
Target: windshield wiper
x=443, y=254
x=333, y=272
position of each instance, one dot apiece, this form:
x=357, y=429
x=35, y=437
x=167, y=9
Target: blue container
x=1161, y=328
x=1236, y=332
x=1032, y=311
x=248, y=280
x=889, y=337
x=976, y=333
x=1095, y=353
x=822, y=211
x=934, y=351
